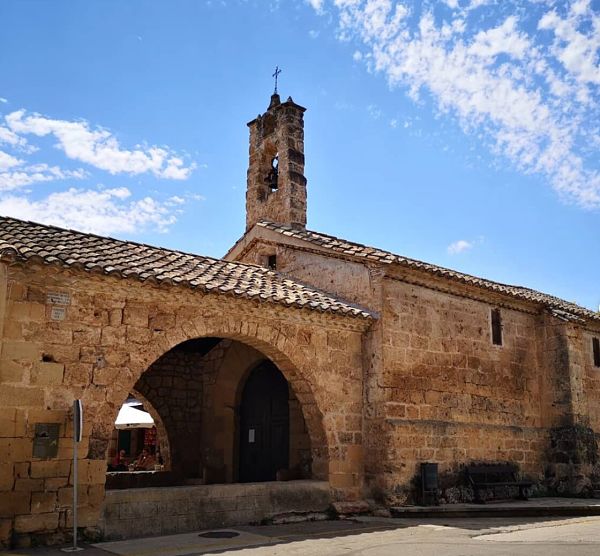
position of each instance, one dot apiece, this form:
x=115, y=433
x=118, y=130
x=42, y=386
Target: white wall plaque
x=58, y=298
x=58, y=313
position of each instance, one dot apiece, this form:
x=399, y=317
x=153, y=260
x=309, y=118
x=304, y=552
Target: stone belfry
x=276, y=183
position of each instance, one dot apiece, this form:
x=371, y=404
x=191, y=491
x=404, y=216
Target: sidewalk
x=501, y=515
x=239, y=537
x=535, y=507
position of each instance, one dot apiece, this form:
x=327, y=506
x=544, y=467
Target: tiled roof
x=28, y=241
x=561, y=308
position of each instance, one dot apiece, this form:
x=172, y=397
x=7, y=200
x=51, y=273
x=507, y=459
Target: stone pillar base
x=573, y=464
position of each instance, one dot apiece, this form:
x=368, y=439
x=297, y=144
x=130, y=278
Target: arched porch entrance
x=227, y=414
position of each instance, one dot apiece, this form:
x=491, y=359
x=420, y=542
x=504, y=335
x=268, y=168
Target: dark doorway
x=264, y=425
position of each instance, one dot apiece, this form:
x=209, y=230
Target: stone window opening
x=272, y=262
x=596, y=351
x=496, y=324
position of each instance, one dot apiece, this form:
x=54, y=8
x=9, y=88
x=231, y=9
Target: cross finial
x=276, y=75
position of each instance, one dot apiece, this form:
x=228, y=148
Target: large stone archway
x=125, y=380
x=113, y=331
x=193, y=392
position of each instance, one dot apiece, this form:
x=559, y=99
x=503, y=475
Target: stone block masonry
x=115, y=330
x=276, y=183
x=437, y=388
x=164, y=511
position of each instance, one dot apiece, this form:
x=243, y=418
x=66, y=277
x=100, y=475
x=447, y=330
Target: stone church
x=298, y=373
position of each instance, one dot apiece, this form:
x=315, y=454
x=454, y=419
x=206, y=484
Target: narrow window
x=596, y=349
x=496, y=327
x=272, y=262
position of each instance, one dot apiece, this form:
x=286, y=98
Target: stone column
x=573, y=447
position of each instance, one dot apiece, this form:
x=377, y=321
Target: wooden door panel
x=264, y=425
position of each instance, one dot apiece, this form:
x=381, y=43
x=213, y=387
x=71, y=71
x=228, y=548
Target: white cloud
x=97, y=210
x=15, y=175
x=9, y=137
x=8, y=161
x=459, y=246
x=3, y=100
x=102, y=212
x=176, y=200
x=532, y=100
x=317, y=5
x=313, y=33
x=452, y=4
x=99, y=148
x=576, y=49
x=374, y=111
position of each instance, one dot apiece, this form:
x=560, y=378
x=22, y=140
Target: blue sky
x=460, y=132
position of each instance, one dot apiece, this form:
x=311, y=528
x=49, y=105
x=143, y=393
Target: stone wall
x=437, y=388
x=448, y=395
x=96, y=345
x=167, y=511
x=173, y=387
x=591, y=381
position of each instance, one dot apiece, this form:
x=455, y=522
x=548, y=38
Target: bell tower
x=276, y=184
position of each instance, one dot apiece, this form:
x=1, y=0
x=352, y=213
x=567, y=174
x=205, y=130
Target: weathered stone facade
x=113, y=331
x=396, y=365
x=437, y=389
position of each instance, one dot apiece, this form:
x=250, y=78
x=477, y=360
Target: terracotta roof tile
x=559, y=307
x=28, y=241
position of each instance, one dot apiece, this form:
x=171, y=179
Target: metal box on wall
x=45, y=440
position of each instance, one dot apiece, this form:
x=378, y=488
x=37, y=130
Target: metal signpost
x=77, y=435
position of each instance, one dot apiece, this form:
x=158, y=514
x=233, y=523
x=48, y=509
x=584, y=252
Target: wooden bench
x=489, y=476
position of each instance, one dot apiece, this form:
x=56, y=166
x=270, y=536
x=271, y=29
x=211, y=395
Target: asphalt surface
x=374, y=537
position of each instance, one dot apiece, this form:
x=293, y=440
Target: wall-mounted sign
x=77, y=420
x=58, y=298
x=251, y=434
x=58, y=313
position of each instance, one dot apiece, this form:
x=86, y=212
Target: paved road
x=377, y=537
x=472, y=537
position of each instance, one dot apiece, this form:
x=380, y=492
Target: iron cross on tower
x=276, y=75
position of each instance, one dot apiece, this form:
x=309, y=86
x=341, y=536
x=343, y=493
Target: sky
x=463, y=133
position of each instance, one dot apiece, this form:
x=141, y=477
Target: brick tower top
x=276, y=183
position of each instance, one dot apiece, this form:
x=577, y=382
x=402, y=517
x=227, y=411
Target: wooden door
x=264, y=425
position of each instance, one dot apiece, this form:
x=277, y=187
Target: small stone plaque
x=58, y=298
x=58, y=313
